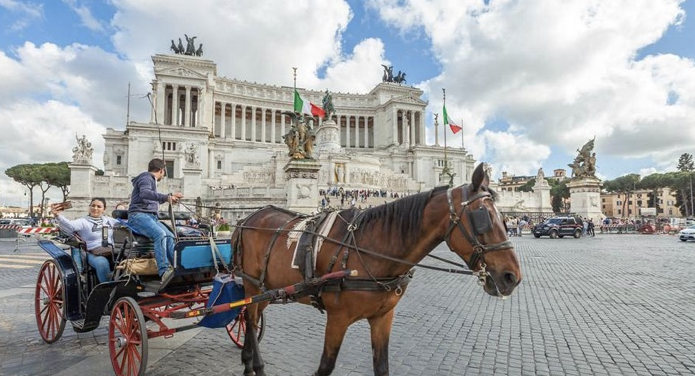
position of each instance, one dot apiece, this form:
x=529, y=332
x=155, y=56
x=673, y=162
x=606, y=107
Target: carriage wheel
x=237, y=328
x=48, y=302
x=128, y=338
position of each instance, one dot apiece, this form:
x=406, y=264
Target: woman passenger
x=89, y=229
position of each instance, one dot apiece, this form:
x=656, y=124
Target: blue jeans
x=148, y=225
x=100, y=265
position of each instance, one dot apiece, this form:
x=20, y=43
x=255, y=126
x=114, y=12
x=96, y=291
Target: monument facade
x=234, y=139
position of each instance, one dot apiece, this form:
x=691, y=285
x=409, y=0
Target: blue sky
x=530, y=80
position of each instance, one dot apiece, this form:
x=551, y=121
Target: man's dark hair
x=156, y=165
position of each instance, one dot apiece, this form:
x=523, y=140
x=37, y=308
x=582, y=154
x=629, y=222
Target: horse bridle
x=480, y=224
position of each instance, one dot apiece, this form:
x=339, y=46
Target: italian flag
x=306, y=107
x=454, y=128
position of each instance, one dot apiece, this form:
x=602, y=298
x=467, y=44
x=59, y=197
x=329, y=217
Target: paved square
x=609, y=305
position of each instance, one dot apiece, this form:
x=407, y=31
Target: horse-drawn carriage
x=67, y=289
x=353, y=264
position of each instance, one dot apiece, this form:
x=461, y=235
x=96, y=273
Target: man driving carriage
x=142, y=216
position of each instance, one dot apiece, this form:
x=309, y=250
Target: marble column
x=253, y=124
x=159, y=97
x=263, y=125
x=243, y=122
x=273, y=114
x=232, y=119
x=174, y=104
x=223, y=120
x=187, y=108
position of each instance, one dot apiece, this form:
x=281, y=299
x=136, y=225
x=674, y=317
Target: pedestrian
x=142, y=216
x=585, y=227
x=590, y=229
x=89, y=228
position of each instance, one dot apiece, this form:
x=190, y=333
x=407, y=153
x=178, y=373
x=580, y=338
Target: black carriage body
x=194, y=267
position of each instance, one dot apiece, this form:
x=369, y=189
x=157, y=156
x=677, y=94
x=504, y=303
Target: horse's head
x=477, y=233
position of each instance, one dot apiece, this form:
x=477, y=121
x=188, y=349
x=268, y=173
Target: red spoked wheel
x=49, y=303
x=128, y=338
x=237, y=328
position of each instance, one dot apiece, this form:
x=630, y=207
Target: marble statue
x=83, y=151
x=584, y=164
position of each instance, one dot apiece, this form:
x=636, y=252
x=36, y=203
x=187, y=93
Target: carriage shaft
x=287, y=291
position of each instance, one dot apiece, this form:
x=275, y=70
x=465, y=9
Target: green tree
x=58, y=175
x=685, y=163
x=655, y=182
x=28, y=175
x=682, y=184
x=527, y=187
x=624, y=185
x=559, y=192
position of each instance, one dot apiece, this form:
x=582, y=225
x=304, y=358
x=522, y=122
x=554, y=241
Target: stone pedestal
x=82, y=178
x=191, y=182
x=543, y=189
x=585, y=198
x=328, y=136
x=301, y=187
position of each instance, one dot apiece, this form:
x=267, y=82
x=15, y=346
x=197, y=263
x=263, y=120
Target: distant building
x=511, y=182
x=617, y=205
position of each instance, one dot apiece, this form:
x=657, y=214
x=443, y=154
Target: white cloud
x=25, y=13
x=560, y=72
x=251, y=40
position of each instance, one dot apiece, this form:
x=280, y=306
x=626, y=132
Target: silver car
x=687, y=233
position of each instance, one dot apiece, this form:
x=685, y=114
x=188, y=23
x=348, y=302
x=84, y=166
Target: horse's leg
x=381, y=331
x=251, y=353
x=336, y=326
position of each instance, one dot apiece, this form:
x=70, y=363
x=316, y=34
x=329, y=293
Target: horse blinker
x=480, y=220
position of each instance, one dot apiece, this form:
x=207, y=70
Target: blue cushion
x=200, y=256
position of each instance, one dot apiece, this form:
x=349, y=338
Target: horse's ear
x=481, y=176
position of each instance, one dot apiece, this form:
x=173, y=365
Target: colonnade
x=177, y=105
x=268, y=125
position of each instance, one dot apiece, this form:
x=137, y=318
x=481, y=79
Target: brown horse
x=381, y=244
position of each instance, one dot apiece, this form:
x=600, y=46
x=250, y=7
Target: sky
x=530, y=81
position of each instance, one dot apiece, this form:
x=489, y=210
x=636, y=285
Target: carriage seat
x=162, y=216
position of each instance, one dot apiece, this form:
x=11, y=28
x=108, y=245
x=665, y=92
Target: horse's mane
x=403, y=215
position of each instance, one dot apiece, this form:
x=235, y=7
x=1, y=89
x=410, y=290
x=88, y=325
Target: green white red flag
x=305, y=107
x=454, y=128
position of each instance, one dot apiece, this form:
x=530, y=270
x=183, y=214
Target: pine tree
x=685, y=163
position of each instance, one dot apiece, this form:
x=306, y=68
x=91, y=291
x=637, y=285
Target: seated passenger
x=89, y=229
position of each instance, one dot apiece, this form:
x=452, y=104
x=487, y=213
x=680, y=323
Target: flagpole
x=295, y=79
x=446, y=163
x=461, y=133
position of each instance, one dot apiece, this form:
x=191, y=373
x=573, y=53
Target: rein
x=372, y=253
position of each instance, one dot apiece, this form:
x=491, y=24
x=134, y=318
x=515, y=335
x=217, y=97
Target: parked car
x=687, y=233
x=24, y=222
x=559, y=227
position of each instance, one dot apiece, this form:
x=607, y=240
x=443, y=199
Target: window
x=219, y=165
x=119, y=159
x=169, y=145
x=170, y=169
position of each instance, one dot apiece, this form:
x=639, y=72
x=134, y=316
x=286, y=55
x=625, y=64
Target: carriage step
x=146, y=294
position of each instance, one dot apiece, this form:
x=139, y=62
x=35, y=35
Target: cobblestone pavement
x=609, y=305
